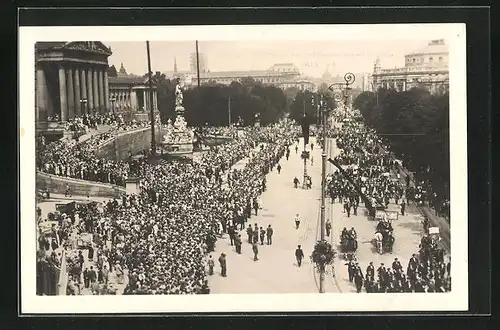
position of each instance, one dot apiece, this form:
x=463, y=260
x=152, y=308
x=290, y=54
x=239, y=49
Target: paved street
x=276, y=270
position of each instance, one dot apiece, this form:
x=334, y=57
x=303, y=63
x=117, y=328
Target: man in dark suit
x=358, y=280
x=269, y=234
x=299, y=255
x=370, y=271
x=237, y=243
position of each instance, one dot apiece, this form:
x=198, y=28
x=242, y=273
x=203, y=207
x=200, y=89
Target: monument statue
x=179, y=98
x=178, y=136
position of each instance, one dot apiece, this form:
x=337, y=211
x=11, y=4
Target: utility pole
x=323, y=195
x=304, y=182
x=229, y=110
x=198, y=63
x=151, y=108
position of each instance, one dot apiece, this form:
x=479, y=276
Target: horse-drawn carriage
x=383, y=239
x=348, y=244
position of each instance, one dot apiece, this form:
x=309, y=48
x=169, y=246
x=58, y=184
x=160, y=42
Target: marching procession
x=162, y=240
x=371, y=175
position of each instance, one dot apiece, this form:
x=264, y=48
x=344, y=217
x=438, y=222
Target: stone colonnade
x=136, y=99
x=82, y=89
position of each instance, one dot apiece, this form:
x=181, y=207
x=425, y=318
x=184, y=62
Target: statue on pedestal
x=178, y=133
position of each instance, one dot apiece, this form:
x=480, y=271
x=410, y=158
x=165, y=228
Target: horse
x=377, y=241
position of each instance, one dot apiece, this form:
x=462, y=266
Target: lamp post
x=322, y=106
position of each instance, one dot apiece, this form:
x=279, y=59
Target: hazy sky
x=311, y=57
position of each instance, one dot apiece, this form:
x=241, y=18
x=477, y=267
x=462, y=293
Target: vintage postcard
x=283, y=168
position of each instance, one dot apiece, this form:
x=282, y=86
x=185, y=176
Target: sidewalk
x=429, y=213
x=277, y=271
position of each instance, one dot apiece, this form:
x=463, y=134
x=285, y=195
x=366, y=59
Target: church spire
x=175, y=65
x=122, y=69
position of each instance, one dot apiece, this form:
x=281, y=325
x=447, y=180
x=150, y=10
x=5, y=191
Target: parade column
x=62, y=94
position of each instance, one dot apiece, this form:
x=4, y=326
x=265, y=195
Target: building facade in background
x=425, y=68
x=281, y=75
x=129, y=94
x=73, y=79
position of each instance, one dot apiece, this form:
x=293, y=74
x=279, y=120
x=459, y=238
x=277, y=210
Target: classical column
x=100, y=77
x=41, y=96
x=133, y=100
x=83, y=75
x=78, y=110
x=106, y=90
x=63, y=102
x=155, y=105
x=95, y=85
x=71, y=93
x=90, y=90
x=144, y=106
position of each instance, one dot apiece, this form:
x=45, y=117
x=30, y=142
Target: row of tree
x=216, y=104
x=415, y=124
x=241, y=102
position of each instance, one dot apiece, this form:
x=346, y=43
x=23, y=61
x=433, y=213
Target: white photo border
x=456, y=300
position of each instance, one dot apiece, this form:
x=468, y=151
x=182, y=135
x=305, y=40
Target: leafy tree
x=416, y=126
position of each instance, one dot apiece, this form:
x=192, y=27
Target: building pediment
x=89, y=46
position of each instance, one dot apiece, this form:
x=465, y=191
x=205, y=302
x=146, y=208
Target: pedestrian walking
x=312, y=160
x=278, y=168
x=262, y=235
x=211, y=265
x=250, y=233
x=237, y=244
x=297, y=221
x=255, y=249
x=296, y=182
x=358, y=281
x=299, y=255
x=269, y=234
x=403, y=206
x=328, y=227
x=223, y=265
x=232, y=234
x=296, y=149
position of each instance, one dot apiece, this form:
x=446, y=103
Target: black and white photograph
x=243, y=168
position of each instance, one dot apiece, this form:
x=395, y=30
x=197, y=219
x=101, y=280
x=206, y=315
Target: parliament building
x=74, y=78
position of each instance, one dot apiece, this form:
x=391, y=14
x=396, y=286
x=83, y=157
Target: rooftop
x=433, y=47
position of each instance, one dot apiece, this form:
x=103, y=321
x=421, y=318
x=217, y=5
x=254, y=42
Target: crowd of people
x=79, y=161
x=161, y=236
x=368, y=167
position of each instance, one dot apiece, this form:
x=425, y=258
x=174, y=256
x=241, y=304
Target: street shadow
x=414, y=226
